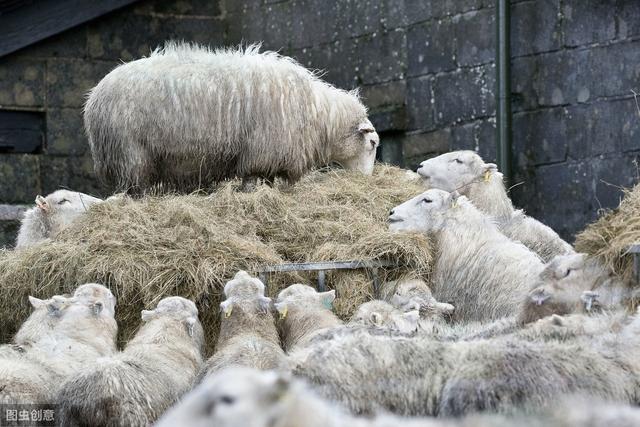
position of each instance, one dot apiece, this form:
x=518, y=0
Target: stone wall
x=425, y=69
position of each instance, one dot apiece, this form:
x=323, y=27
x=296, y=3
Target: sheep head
x=246, y=292
x=177, y=308
x=357, y=151
x=98, y=295
x=236, y=397
x=454, y=171
x=416, y=295
x=381, y=314
x=54, y=305
x=305, y=297
x=64, y=205
x=426, y=212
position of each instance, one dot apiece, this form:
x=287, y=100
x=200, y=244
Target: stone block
x=69, y=80
x=431, y=47
x=65, y=133
x=475, y=37
x=420, y=103
x=22, y=82
x=19, y=175
x=588, y=21
x=535, y=27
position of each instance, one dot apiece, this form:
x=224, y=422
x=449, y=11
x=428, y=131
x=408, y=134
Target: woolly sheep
x=304, y=313
x=51, y=215
x=135, y=387
x=381, y=314
x=248, y=334
x=361, y=371
x=481, y=272
x=42, y=320
x=83, y=333
x=467, y=173
x=243, y=397
x=187, y=116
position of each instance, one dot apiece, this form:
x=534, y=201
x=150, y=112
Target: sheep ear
x=327, y=298
x=97, y=308
x=42, y=203
x=147, y=315
x=282, y=309
x=407, y=322
x=375, y=318
x=489, y=168
x=264, y=303
x=445, y=308
x=365, y=127
x=539, y=296
x=226, y=307
x=36, y=302
x=190, y=323
x=281, y=386
x=57, y=303
x=453, y=197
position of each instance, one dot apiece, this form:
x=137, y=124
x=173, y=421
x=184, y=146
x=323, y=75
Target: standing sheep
x=304, y=313
x=135, y=387
x=248, y=334
x=467, y=173
x=51, y=215
x=83, y=333
x=480, y=271
x=187, y=117
x=249, y=398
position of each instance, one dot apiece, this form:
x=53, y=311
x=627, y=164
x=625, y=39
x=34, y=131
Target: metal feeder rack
x=371, y=267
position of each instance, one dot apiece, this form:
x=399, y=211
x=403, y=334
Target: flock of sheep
x=513, y=321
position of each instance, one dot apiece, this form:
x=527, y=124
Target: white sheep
x=304, y=313
x=243, y=397
x=248, y=334
x=84, y=332
x=467, y=173
x=381, y=314
x=51, y=215
x=41, y=321
x=135, y=387
x=480, y=271
x=187, y=116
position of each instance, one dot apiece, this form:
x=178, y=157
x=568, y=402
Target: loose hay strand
x=190, y=245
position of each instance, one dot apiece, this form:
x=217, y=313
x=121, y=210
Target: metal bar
x=635, y=251
x=376, y=282
x=503, y=88
x=327, y=265
x=321, y=285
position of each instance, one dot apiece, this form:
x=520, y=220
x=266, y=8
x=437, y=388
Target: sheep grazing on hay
x=608, y=239
x=480, y=271
x=83, y=331
x=191, y=245
x=304, y=313
x=51, y=215
x=467, y=173
x=243, y=397
x=135, y=387
x=187, y=117
x=248, y=334
x=361, y=371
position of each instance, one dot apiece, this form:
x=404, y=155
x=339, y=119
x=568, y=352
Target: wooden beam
x=28, y=23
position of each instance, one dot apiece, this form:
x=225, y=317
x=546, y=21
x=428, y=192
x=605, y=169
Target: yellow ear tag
x=487, y=175
x=283, y=313
x=227, y=312
x=454, y=204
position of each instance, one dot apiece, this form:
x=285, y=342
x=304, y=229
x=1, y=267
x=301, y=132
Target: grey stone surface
x=589, y=21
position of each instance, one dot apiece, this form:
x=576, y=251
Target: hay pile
x=609, y=238
x=191, y=245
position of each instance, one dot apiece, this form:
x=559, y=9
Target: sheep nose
x=391, y=212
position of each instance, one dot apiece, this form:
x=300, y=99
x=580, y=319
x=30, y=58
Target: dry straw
x=190, y=245
x=610, y=237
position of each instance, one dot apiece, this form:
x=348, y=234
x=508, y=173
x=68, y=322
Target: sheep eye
x=568, y=272
x=227, y=400
x=458, y=161
x=63, y=201
x=425, y=200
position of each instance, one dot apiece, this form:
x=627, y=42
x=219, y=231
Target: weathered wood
x=25, y=23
